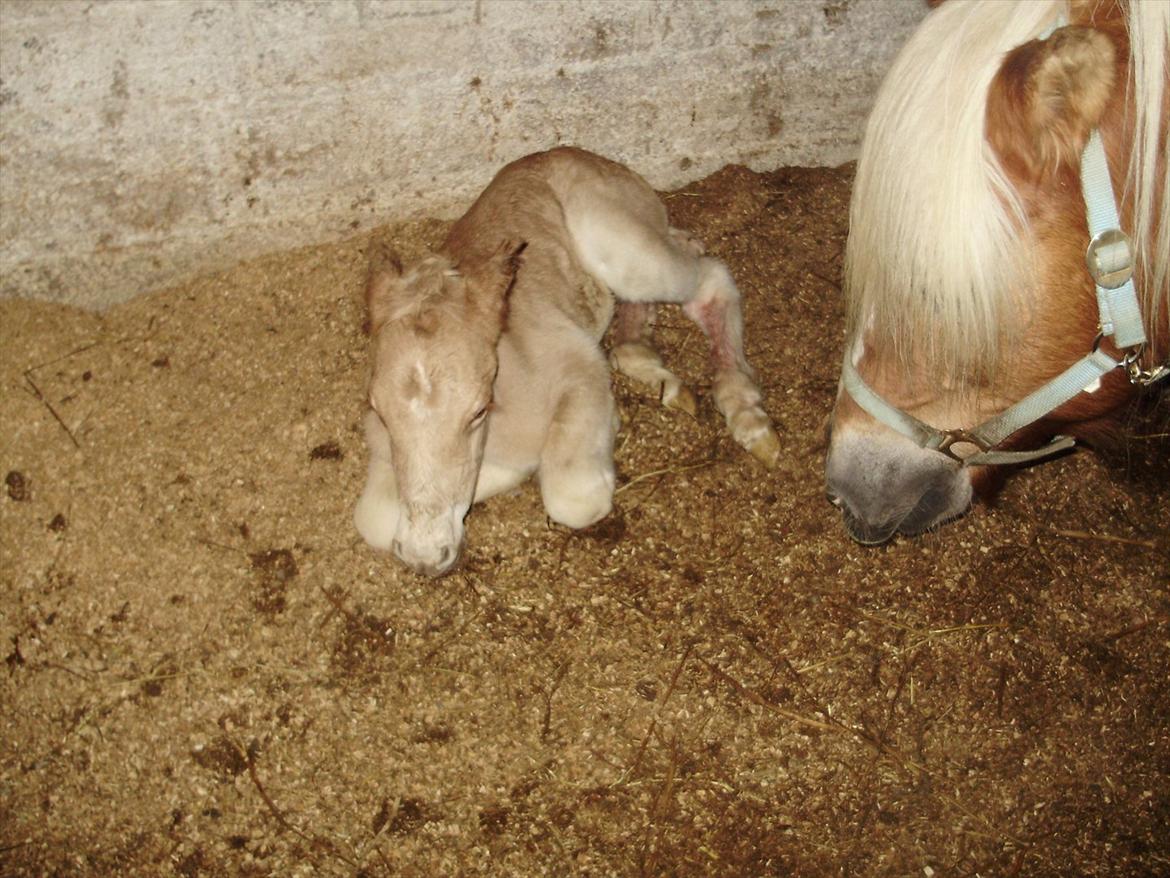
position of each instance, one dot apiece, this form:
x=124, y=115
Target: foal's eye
x=478, y=417
x=374, y=409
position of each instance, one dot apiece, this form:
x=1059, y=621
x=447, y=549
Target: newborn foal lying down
x=486, y=358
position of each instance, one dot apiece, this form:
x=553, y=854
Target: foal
x=487, y=365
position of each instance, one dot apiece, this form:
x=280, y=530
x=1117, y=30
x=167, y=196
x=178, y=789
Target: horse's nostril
x=444, y=555
x=865, y=533
x=396, y=545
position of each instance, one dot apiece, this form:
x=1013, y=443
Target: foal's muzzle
x=430, y=544
x=429, y=563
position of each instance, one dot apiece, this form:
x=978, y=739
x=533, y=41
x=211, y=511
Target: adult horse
x=1007, y=263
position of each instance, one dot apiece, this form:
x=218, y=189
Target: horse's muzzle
x=886, y=487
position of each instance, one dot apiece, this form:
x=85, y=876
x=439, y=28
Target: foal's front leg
x=715, y=308
x=378, y=509
x=576, y=462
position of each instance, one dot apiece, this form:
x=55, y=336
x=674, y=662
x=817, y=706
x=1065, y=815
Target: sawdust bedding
x=207, y=672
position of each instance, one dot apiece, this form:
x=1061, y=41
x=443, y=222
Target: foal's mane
x=933, y=213
x=421, y=298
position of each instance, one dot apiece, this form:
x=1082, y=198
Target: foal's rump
x=579, y=214
x=619, y=230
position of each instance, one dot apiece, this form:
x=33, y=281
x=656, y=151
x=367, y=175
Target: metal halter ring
x=1110, y=258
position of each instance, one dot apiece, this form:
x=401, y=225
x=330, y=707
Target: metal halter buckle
x=956, y=436
x=1110, y=258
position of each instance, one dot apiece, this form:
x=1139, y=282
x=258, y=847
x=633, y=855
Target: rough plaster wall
x=142, y=141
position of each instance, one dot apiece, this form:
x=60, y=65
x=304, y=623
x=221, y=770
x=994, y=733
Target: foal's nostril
x=444, y=555
x=396, y=545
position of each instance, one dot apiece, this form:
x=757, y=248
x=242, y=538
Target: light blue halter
x=1110, y=259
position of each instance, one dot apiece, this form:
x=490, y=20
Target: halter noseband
x=1110, y=260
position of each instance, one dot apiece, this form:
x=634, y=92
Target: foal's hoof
x=752, y=429
x=676, y=395
x=766, y=448
x=577, y=497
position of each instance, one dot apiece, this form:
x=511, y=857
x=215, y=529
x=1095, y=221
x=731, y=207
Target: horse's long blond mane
x=933, y=215
x=1149, y=34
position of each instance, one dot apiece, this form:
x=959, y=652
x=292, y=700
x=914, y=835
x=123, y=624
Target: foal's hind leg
x=378, y=510
x=642, y=261
x=634, y=355
x=633, y=351
x=715, y=307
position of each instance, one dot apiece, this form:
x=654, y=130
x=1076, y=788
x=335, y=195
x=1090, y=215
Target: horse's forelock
x=416, y=298
x=425, y=322
x=933, y=215
x=439, y=301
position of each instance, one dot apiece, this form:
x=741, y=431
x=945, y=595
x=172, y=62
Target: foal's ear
x=492, y=285
x=1047, y=98
x=383, y=273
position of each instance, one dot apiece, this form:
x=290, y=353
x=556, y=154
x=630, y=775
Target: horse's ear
x=492, y=285
x=383, y=273
x=1047, y=98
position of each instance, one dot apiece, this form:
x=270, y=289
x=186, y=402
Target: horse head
x=434, y=330
x=970, y=303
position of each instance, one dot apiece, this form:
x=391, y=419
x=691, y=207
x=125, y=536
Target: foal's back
x=528, y=200
x=549, y=201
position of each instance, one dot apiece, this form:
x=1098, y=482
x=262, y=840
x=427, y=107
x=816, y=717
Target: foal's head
x=434, y=329
x=965, y=265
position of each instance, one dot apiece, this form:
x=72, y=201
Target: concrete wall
x=143, y=141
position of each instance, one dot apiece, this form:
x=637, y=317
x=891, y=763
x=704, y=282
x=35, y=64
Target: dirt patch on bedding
x=207, y=672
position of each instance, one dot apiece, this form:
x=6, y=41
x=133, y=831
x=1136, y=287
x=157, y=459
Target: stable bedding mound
x=208, y=673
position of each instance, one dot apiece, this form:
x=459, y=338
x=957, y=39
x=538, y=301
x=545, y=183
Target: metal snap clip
x=1131, y=362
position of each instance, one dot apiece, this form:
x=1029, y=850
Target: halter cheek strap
x=1110, y=261
x=1110, y=254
